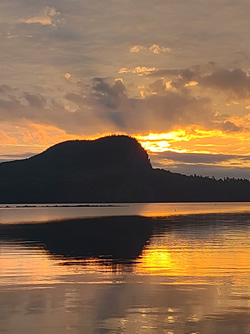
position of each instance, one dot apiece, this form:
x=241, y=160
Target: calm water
x=136, y=268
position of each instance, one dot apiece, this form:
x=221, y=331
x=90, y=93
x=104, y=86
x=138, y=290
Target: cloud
x=76, y=98
x=6, y=139
x=156, y=49
x=5, y=89
x=157, y=112
x=140, y=70
x=137, y=48
x=107, y=106
x=210, y=170
x=186, y=77
x=35, y=100
x=196, y=158
x=46, y=17
x=229, y=126
x=109, y=95
x=170, y=99
x=67, y=76
x=217, y=165
x=234, y=83
x=158, y=87
x=11, y=157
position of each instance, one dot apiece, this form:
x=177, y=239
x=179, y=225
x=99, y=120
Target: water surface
x=150, y=268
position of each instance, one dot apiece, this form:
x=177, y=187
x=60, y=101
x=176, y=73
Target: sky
x=175, y=74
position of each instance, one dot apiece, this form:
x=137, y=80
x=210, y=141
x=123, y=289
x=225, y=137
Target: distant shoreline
x=67, y=206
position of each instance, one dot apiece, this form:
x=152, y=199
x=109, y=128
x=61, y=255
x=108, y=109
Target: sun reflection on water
x=191, y=276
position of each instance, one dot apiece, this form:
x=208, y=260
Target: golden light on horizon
x=160, y=142
x=197, y=140
x=34, y=138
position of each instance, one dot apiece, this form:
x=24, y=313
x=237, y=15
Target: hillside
x=109, y=169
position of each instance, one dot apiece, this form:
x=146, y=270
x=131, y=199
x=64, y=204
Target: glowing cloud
x=67, y=76
x=140, y=70
x=196, y=140
x=46, y=17
x=137, y=48
x=156, y=49
x=191, y=84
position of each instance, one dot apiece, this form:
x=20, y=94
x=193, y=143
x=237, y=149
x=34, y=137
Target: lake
x=178, y=268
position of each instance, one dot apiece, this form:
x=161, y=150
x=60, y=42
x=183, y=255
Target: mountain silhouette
x=109, y=169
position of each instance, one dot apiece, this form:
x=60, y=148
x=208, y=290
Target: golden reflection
x=204, y=257
x=188, y=275
x=198, y=257
x=156, y=259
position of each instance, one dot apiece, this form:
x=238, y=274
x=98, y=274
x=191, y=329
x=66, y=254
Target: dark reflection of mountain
x=116, y=238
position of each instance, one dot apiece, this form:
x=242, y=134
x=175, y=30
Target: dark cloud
x=202, y=164
x=5, y=89
x=11, y=157
x=158, y=112
x=174, y=108
x=187, y=74
x=195, y=157
x=165, y=73
x=35, y=100
x=110, y=95
x=228, y=126
x=204, y=169
x=158, y=87
x=236, y=82
x=76, y=98
x=107, y=107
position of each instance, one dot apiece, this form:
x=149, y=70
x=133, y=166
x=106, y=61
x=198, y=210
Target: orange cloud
x=140, y=70
x=137, y=48
x=6, y=139
x=45, y=17
x=156, y=49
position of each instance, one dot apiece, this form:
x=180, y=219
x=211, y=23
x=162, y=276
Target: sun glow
x=196, y=140
x=160, y=142
x=34, y=138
